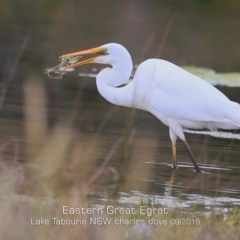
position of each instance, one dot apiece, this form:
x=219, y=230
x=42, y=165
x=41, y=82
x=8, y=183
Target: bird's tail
x=233, y=113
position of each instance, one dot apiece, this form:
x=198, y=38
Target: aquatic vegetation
x=214, y=78
x=64, y=62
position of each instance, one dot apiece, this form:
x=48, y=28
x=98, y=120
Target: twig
x=13, y=69
x=107, y=159
x=165, y=36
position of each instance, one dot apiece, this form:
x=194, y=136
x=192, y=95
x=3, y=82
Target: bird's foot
x=198, y=170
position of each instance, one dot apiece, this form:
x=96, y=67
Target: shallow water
x=140, y=143
x=33, y=40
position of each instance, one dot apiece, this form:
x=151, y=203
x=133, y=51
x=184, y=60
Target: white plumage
x=176, y=97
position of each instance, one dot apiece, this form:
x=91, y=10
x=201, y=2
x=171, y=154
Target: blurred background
x=61, y=143
x=199, y=32
x=61, y=135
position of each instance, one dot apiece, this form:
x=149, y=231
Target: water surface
x=132, y=146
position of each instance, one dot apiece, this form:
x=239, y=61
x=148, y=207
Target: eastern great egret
x=176, y=97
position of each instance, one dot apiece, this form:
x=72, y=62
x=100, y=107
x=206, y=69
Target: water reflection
x=151, y=180
x=218, y=134
x=136, y=150
x=207, y=35
x=207, y=191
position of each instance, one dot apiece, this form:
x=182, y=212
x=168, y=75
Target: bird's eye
x=103, y=51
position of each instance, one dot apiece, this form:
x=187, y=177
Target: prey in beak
x=71, y=60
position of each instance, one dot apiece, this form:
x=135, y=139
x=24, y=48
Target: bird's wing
x=181, y=95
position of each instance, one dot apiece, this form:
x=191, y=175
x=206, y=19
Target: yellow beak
x=85, y=52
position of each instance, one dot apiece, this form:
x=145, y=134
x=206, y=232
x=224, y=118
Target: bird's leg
x=190, y=154
x=176, y=130
x=173, y=138
x=174, y=155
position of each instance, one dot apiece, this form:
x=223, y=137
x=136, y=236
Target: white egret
x=176, y=97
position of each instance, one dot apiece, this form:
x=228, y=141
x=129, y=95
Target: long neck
x=107, y=78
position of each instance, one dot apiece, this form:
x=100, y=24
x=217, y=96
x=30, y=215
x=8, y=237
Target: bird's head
x=105, y=54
